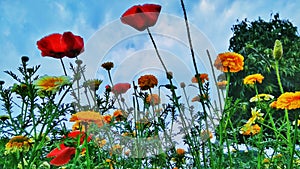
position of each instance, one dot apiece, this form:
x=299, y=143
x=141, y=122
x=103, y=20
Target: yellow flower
x=147, y=81
x=248, y=129
x=261, y=97
x=229, y=61
x=51, y=83
x=18, y=144
x=251, y=79
x=153, y=99
x=78, y=126
x=256, y=115
x=288, y=100
x=88, y=117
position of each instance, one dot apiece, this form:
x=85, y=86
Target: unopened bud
x=277, y=51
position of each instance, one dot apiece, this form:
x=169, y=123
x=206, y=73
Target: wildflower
x=287, y=100
x=120, y=88
x=51, y=83
x=261, y=97
x=18, y=144
x=92, y=84
x=180, y=151
x=256, y=115
x=229, y=61
x=277, y=51
x=59, y=45
x=147, y=81
x=248, y=129
x=101, y=142
x=141, y=17
x=198, y=98
x=118, y=114
x=251, y=79
x=153, y=99
x=88, y=117
x=222, y=84
x=107, y=118
x=108, y=65
x=63, y=154
x=203, y=77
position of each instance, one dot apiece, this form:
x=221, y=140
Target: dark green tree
x=255, y=41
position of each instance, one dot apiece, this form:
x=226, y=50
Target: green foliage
x=255, y=41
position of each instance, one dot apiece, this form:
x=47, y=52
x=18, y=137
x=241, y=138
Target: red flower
x=59, y=45
x=63, y=154
x=120, y=88
x=141, y=17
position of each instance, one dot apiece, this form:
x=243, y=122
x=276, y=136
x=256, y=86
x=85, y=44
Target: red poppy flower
x=120, y=88
x=63, y=154
x=141, y=17
x=59, y=45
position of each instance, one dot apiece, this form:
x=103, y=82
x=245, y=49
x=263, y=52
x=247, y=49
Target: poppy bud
x=277, y=52
x=25, y=59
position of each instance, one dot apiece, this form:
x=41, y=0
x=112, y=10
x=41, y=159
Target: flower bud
x=277, y=51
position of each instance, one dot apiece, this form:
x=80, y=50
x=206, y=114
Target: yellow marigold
x=51, y=83
x=180, y=151
x=18, y=144
x=251, y=79
x=147, y=81
x=153, y=99
x=78, y=126
x=222, y=84
x=231, y=60
x=288, y=100
x=88, y=117
x=203, y=77
x=250, y=129
x=261, y=97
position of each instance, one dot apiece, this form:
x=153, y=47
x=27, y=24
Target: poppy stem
x=189, y=36
x=156, y=50
x=63, y=65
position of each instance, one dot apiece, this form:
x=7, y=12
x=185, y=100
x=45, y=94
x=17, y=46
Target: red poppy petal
x=74, y=44
x=63, y=157
x=151, y=12
x=56, y=151
x=51, y=46
x=134, y=17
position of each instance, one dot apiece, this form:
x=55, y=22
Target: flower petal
x=63, y=157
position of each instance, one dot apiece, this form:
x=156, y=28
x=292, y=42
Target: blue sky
x=22, y=24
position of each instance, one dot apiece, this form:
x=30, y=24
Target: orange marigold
x=251, y=79
x=147, y=81
x=118, y=114
x=250, y=129
x=222, y=84
x=231, y=60
x=153, y=99
x=203, y=77
x=180, y=151
x=88, y=117
x=107, y=118
x=288, y=100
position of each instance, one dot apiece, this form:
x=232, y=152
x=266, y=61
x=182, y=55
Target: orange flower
x=147, y=81
x=107, y=118
x=288, y=100
x=18, y=144
x=198, y=98
x=203, y=77
x=251, y=79
x=231, y=60
x=118, y=114
x=153, y=99
x=88, y=117
x=180, y=151
x=250, y=129
x=108, y=65
x=120, y=88
x=51, y=83
x=78, y=126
